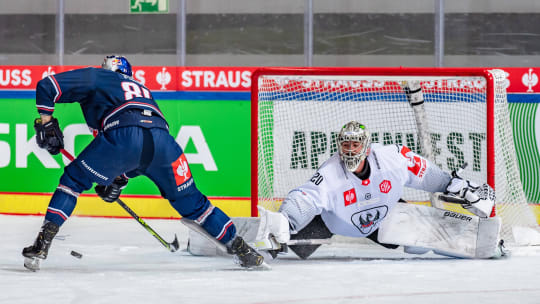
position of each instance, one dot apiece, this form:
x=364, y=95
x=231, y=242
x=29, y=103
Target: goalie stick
x=272, y=244
x=172, y=246
x=415, y=96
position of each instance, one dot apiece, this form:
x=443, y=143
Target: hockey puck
x=76, y=254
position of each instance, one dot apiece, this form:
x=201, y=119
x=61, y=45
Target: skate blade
x=32, y=264
x=263, y=267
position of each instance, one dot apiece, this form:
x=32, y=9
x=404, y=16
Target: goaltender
x=357, y=193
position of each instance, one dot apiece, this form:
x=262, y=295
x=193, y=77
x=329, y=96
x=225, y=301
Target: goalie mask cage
x=298, y=112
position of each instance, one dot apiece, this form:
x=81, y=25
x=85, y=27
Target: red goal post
x=295, y=107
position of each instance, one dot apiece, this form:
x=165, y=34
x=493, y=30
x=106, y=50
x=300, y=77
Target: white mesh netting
x=299, y=117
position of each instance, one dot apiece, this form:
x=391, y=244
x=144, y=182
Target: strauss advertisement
x=154, y=78
x=519, y=80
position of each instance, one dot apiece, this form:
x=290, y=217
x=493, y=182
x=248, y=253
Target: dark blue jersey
x=101, y=93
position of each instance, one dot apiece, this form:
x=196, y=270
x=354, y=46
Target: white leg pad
x=200, y=244
x=445, y=232
x=416, y=250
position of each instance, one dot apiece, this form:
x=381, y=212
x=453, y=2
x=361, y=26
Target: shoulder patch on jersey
x=416, y=164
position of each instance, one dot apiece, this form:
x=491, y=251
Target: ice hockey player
x=357, y=193
x=131, y=139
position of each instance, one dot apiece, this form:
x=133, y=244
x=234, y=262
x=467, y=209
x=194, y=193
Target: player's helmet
x=117, y=64
x=355, y=132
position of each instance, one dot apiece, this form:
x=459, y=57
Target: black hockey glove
x=111, y=192
x=49, y=136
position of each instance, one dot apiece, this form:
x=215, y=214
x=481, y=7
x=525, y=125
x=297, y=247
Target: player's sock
x=40, y=248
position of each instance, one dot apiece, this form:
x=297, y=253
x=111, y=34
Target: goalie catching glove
x=112, y=192
x=49, y=136
x=478, y=199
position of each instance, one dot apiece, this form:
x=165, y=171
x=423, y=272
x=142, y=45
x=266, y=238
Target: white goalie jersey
x=354, y=207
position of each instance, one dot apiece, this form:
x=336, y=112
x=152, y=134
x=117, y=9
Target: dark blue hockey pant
x=136, y=151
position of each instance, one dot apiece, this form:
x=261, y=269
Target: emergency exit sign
x=149, y=6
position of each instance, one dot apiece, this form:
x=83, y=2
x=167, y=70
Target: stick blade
x=452, y=199
x=174, y=245
x=263, y=267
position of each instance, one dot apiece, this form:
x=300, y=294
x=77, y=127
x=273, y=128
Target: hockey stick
x=451, y=198
x=273, y=245
x=416, y=101
x=173, y=246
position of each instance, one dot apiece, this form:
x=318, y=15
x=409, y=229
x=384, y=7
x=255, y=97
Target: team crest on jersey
x=181, y=170
x=366, y=220
x=349, y=197
x=385, y=186
x=365, y=182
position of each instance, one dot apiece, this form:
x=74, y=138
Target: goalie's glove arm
x=478, y=199
x=463, y=189
x=299, y=210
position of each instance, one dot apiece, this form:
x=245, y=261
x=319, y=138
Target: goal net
x=297, y=115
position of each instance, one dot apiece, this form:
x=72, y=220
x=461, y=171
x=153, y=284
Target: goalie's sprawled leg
x=422, y=228
x=316, y=229
x=213, y=223
x=216, y=224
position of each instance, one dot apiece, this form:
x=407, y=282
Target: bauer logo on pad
x=350, y=197
x=181, y=170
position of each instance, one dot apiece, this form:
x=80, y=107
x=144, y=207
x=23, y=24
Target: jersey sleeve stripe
x=56, y=88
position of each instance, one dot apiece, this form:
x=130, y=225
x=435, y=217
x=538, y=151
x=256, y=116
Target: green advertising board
x=524, y=118
x=215, y=135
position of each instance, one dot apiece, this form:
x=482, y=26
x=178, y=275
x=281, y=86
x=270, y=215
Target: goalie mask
x=117, y=64
x=353, y=140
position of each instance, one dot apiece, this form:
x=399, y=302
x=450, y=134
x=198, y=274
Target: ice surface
x=123, y=263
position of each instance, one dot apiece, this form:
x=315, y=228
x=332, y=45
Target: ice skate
x=39, y=250
x=247, y=256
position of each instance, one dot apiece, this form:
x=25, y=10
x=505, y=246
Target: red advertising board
x=155, y=78
x=520, y=80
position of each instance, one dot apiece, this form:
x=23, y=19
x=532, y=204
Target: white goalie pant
x=421, y=229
